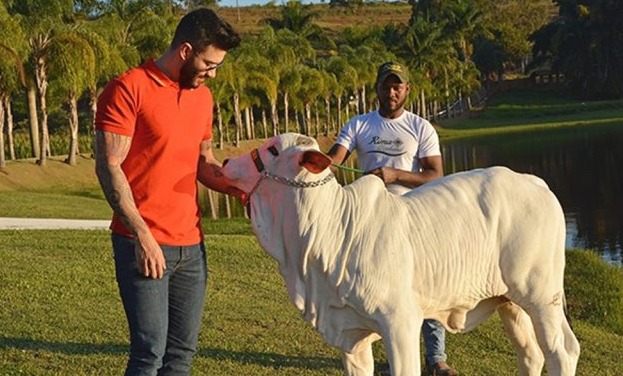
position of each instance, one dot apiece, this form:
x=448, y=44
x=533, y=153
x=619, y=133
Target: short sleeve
x=348, y=135
x=429, y=141
x=116, y=109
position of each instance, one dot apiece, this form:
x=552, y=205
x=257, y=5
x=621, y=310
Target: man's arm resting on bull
x=339, y=154
x=432, y=168
x=111, y=149
x=209, y=172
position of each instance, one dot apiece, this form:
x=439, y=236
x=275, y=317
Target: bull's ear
x=315, y=161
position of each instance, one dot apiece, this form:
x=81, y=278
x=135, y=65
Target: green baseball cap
x=395, y=68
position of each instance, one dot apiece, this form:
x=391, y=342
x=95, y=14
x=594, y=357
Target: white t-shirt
x=397, y=143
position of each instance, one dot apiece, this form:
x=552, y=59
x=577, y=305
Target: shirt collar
x=157, y=75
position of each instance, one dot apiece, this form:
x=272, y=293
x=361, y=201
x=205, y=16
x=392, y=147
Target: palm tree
x=222, y=92
x=11, y=75
x=108, y=62
x=426, y=52
x=41, y=20
x=72, y=67
x=346, y=77
x=311, y=87
x=585, y=43
x=299, y=19
x=290, y=82
x=365, y=59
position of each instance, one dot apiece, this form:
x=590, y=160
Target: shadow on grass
x=271, y=360
x=67, y=348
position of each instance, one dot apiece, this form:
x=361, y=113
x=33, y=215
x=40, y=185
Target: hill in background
x=332, y=19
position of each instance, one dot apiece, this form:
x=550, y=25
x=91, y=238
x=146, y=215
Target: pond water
x=582, y=165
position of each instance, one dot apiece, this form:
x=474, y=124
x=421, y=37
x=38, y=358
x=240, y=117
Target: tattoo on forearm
x=217, y=172
x=110, y=152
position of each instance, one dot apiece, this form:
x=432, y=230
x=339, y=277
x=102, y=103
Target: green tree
x=11, y=75
x=311, y=87
x=72, y=68
x=346, y=78
x=222, y=92
x=426, y=52
x=585, y=42
x=299, y=19
x=505, y=34
x=288, y=52
x=291, y=81
x=40, y=20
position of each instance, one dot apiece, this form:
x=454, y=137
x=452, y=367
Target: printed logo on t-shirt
x=392, y=148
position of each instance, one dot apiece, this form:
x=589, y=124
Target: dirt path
x=51, y=223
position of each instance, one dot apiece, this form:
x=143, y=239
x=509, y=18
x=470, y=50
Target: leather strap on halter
x=255, y=156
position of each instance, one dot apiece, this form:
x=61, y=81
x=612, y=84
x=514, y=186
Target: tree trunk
x=2, y=157
x=252, y=122
x=339, y=112
x=9, y=124
x=264, y=124
x=347, y=107
x=285, y=114
x=299, y=126
x=237, y=117
x=307, y=119
x=317, y=116
x=73, y=129
x=227, y=206
x=42, y=86
x=247, y=124
x=212, y=203
x=93, y=106
x=274, y=117
x=219, y=124
x=327, y=104
x=423, y=104
x=33, y=121
x=364, y=109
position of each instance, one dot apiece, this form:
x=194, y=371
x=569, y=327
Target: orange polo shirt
x=167, y=125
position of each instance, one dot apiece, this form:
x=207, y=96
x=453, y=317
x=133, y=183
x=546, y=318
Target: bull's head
x=289, y=158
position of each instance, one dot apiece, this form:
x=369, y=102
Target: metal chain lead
x=297, y=183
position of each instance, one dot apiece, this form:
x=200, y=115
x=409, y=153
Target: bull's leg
x=521, y=333
x=401, y=337
x=557, y=341
x=360, y=363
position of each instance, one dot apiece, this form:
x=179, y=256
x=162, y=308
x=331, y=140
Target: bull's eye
x=273, y=150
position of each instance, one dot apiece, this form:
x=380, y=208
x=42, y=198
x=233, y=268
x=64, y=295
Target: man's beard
x=387, y=106
x=188, y=74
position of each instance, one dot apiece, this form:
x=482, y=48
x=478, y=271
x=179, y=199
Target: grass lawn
x=531, y=110
x=60, y=313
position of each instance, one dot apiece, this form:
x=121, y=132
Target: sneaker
x=440, y=369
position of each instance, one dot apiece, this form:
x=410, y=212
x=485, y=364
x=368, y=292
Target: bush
x=594, y=290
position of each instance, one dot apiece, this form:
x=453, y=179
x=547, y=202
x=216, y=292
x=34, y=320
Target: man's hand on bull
x=387, y=174
x=233, y=191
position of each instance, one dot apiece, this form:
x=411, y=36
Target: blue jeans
x=164, y=315
x=434, y=341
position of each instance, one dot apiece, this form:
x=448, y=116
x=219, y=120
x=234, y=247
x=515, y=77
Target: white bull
x=363, y=264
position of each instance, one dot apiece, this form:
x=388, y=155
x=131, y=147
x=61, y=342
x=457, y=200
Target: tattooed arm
x=209, y=172
x=110, y=151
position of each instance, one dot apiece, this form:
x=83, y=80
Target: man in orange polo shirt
x=153, y=142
